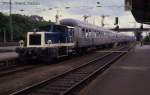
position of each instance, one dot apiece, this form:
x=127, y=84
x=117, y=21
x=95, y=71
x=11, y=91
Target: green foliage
x=147, y=39
x=21, y=25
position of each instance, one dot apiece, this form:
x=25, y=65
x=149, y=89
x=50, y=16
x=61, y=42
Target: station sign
x=27, y=2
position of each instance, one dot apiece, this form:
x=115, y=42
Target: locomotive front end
x=37, y=48
x=47, y=45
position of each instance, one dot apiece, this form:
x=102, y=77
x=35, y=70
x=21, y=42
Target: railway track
x=8, y=64
x=11, y=66
x=67, y=83
x=16, y=68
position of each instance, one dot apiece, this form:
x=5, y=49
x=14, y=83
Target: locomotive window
x=45, y=28
x=83, y=29
x=53, y=28
x=83, y=32
x=59, y=28
x=89, y=30
x=35, y=39
x=54, y=37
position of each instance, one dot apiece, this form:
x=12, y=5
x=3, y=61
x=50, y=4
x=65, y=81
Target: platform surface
x=7, y=49
x=128, y=76
x=8, y=55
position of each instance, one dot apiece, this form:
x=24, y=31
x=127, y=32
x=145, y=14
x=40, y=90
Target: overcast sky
x=78, y=8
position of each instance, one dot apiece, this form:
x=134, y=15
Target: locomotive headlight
x=49, y=42
x=35, y=30
x=21, y=43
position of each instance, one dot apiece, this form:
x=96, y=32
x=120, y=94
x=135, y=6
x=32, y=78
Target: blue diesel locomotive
x=70, y=36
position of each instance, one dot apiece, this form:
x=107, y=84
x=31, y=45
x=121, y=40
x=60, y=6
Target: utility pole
x=57, y=16
x=10, y=20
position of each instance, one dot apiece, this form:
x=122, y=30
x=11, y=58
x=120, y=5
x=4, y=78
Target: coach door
x=70, y=35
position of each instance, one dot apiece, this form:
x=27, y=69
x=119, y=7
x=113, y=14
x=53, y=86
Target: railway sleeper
x=62, y=82
x=77, y=74
x=82, y=73
x=74, y=78
x=52, y=89
x=45, y=93
x=66, y=82
x=88, y=70
x=62, y=85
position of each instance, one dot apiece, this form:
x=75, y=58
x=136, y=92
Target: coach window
x=87, y=34
x=86, y=30
x=100, y=34
x=103, y=34
x=83, y=32
x=89, y=30
x=97, y=34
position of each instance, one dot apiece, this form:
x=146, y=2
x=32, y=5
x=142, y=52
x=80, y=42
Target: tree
x=21, y=25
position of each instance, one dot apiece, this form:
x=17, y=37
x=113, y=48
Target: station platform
x=8, y=56
x=8, y=49
x=128, y=76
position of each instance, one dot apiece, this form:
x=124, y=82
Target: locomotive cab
x=58, y=35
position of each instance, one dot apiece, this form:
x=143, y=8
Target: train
x=69, y=37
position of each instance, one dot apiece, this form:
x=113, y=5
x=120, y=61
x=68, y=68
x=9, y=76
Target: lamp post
x=10, y=20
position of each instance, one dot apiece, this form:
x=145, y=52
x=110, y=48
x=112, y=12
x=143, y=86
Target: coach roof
x=73, y=22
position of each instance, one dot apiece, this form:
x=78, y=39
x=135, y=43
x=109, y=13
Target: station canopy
x=140, y=10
